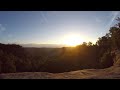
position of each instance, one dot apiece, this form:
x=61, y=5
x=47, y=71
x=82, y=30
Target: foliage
x=106, y=60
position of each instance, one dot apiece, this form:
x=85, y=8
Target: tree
x=102, y=41
x=115, y=37
x=118, y=19
x=84, y=44
x=8, y=63
x=106, y=60
x=1, y=55
x=90, y=44
x=0, y=67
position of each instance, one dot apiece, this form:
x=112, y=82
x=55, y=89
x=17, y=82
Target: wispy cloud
x=10, y=35
x=113, y=16
x=2, y=28
x=98, y=20
x=44, y=17
x=101, y=33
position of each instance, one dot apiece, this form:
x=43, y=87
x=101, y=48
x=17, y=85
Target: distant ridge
x=44, y=45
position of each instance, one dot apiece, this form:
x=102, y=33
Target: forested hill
x=112, y=72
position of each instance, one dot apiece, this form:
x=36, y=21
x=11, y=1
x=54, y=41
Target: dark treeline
x=15, y=58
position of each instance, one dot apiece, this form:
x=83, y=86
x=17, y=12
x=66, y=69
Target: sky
x=50, y=27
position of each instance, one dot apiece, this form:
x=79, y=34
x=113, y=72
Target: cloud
x=98, y=20
x=44, y=17
x=10, y=35
x=101, y=33
x=2, y=28
x=113, y=16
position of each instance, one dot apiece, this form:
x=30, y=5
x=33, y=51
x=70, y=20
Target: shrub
x=106, y=60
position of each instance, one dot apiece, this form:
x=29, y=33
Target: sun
x=72, y=40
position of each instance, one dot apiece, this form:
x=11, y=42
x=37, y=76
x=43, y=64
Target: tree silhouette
x=90, y=44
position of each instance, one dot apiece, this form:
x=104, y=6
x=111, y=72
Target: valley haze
x=44, y=45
